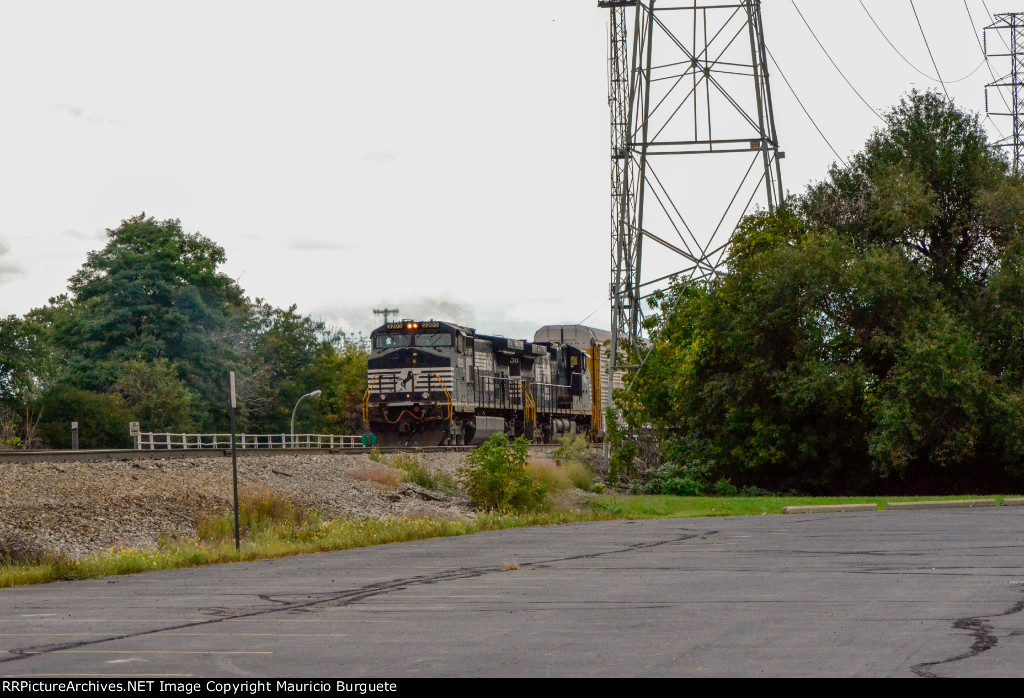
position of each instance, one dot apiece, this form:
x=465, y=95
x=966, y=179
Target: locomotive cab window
x=390, y=341
x=434, y=339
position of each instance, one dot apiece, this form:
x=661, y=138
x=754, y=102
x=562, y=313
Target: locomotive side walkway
x=898, y=593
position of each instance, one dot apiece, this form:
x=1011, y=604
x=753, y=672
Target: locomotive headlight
x=383, y=396
x=425, y=394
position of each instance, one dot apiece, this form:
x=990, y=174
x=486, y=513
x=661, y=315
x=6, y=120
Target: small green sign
x=368, y=439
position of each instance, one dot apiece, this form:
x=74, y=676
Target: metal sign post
x=234, y=459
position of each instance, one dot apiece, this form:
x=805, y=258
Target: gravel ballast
x=79, y=508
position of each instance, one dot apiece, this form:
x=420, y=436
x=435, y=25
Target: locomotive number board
x=414, y=325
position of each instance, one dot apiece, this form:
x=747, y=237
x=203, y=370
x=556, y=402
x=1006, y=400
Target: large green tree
x=28, y=364
x=153, y=293
x=14, y=369
x=864, y=337
x=292, y=355
x=148, y=331
x=928, y=184
x=156, y=397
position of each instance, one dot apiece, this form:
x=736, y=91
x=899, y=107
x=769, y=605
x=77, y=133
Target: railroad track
x=100, y=455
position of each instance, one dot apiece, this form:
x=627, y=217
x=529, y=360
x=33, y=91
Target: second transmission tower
x=1012, y=22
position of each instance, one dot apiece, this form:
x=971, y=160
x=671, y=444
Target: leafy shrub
x=103, y=418
x=569, y=454
x=622, y=463
x=571, y=448
x=496, y=476
x=684, y=486
x=724, y=488
x=689, y=480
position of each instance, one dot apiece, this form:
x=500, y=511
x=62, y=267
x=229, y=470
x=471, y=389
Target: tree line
x=148, y=331
x=867, y=338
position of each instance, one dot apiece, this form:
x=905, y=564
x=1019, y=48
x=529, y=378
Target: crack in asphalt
x=339, y=598
x=984, y=639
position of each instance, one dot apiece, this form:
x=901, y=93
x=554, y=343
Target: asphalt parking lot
x=922, y=593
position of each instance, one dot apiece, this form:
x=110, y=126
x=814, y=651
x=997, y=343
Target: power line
x=977, y=38
x=807, y=113
x=988, y=117
x=603, y=304
x=907, y=60
x=927, y=46
x=993, y=19
x=807, y=24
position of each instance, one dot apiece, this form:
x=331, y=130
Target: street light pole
x=315, y=393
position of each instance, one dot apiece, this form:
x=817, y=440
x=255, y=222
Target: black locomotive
x=433, y=383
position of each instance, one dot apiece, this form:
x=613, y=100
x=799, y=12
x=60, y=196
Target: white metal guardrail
x=151, y=441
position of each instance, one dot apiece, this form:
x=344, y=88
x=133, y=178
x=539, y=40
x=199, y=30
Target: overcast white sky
x=449, y=159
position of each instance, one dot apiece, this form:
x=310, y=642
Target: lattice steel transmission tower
x=1013, y=22
x=693, y=143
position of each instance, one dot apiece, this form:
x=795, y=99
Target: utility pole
x=386, y=312
x=1012, y=22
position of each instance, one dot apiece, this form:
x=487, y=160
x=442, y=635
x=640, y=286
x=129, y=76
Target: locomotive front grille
x=409, y=383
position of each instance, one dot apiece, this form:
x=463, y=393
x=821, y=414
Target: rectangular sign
x=412, y=326
x=232, y=380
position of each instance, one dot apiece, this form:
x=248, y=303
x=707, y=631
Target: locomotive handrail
x=531, y=404
x=514, y=392
x=451, y=410
x=548, y=407
x=366, y=399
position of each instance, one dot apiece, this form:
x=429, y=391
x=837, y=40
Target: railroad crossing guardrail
x=152, y=441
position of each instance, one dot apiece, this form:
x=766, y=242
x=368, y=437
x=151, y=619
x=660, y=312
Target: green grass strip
x=293, y=538
x=274, y=541
x=668, y=507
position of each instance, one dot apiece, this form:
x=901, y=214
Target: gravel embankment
x=82, y=508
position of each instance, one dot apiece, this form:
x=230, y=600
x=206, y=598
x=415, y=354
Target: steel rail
x=126, y=454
